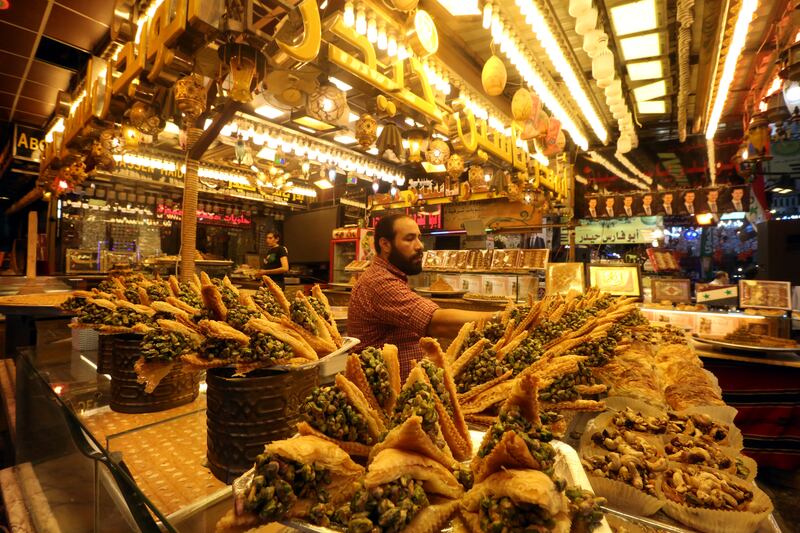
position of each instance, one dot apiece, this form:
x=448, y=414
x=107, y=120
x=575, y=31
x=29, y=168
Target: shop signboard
x=671, y=202
x=634, y=230
x=28, y=142
x=500, y=213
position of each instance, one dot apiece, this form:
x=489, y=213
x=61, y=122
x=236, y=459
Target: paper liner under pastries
x=723, y=413
x=410, y=436
x=735, y=439
x=625, y=497
x=620, y=403
x=718, y=521
x=454, y=428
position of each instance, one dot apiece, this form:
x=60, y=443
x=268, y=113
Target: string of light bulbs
x=632, y=168
x=597, y=158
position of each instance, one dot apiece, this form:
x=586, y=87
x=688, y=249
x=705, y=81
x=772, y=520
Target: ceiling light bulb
x=382, y=38
x=349, y=14
x=391, y=47
x=361, y=21
x=332, y=174
x=487, y=15
x=372, y=29
x=487, y=177
x=393, y=190
x=375, y=186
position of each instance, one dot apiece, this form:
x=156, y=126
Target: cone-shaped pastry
x=410, y=436
x=528, y=499
x=451, y=419
x=422, y=494
x=212, y=297
x=340, y=413
x=320, y=303
x=223, y=345
x=306, y=321
x=161, y=347
x=516, y=439
x=289, y=479
x=271, y=299
x=417, y=398
x=377, y=374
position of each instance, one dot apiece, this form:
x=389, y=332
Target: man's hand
x=445, y=323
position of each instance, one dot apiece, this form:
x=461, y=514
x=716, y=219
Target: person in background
x=276, y=262
x=383, y=308
x=720, y=278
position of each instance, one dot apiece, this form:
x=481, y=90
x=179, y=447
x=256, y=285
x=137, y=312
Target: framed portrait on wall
x=563, y=278
x=765, y=294
x=619, y=280
x=673, y=290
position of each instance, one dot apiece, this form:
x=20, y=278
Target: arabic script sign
x=618, y=231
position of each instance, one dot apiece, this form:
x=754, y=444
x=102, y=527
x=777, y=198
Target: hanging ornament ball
x=455, y=166
x=494, y=76
x=405, y=5
x=561, y=141
x=522, y=105
x=541, y=123
x=366, y=130
x=476, y=176
x=328, y=103
x=438, y=152
x=624, y=144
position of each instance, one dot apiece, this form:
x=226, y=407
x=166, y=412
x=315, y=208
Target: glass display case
x=83, y=260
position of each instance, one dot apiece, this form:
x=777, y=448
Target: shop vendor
x=384, y=309
x=276, y=263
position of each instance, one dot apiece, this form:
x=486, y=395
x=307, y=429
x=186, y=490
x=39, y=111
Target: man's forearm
x=445, y=323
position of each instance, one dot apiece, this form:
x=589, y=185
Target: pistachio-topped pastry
x=266, y=301
x=292, y=479
x=222, y=345
x=97, y=311
x=377, y=374
x=340, y=413
x=417, y=399
x=76, y=301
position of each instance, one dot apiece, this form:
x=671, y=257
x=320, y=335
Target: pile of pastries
x=208, y=323
x=375, y=456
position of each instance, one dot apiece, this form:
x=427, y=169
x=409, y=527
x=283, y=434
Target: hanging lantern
x=579, y=7
x=144, y=118
x=777, y=112
x=328, y=104
x=791, y=95
x=758, y=147
x=522, y=105
x=247, y=66
x=416, y=137
x=586, y=21
x=551, y=138
x=541, y=123
x=438, y=152
x=424, y=39
x=455, y=166
x=603, y=68
x=494, y=76
x=405, y=5
x=190, y=98
x=131, y=136
x=614, y=89
x=390, y=143
x=613, y=100
x=475, y=177
x=366, y=130
x=594, y=42
x=561, y=141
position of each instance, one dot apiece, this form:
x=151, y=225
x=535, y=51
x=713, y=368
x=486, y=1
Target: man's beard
x=410, y=267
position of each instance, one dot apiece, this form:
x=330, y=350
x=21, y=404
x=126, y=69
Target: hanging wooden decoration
x=494, y=76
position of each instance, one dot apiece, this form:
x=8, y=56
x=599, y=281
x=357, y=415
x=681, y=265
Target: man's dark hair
x=274, y=233
x=385, y=229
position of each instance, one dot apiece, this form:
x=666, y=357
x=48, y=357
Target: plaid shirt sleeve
x=399, y=306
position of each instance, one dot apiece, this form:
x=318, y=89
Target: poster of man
x=627, y=206
x=666, y=208
x=646, y=208
x=591, y=207
x=608, y=210
x=687, y=206
x=736, y=200
x=711, y=203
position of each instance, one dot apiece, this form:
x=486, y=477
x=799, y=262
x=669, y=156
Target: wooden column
x=33, y=241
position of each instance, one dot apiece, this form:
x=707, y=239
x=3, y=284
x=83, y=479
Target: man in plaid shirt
x=383, y=308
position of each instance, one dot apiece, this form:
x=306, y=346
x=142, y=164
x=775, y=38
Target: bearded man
x=384, y=309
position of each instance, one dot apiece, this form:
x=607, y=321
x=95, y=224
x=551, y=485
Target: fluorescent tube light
x=641, y=46
x=650, y=91
x=645, y=70
x=340, y=84
x=267, y=111
x=634, y=17
x=652, y=107
x=461, y=8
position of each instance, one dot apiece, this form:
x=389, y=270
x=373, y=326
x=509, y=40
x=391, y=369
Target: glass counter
x=92, y=469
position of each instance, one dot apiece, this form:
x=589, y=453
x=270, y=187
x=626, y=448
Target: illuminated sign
x=174, y=213
x=28, y=142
